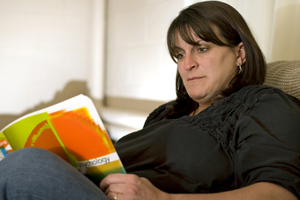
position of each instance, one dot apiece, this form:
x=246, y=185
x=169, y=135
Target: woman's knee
x=34, y=171
x=27, y=154
x=30, y=156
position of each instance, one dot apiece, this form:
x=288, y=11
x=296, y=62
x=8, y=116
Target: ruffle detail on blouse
x=220, y=120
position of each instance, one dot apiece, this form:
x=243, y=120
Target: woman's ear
x=241, y=54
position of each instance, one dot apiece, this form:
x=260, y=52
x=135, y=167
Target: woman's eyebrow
x=177, y=48
x=199, y=41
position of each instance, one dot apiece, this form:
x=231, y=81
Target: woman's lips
x=195, y=78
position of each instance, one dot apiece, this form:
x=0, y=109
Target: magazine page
x=71, y=129
x=4, y=146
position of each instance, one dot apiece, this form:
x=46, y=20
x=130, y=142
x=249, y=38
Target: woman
x=225, y=136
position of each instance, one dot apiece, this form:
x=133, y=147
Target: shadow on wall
x=71, y=89
x=286, y=31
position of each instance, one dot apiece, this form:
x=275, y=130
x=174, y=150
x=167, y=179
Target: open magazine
x=71, y=129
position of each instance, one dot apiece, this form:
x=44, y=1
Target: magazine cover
x=4, y=146
x=71, y=129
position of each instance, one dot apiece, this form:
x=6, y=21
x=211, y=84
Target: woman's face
x=207, y=68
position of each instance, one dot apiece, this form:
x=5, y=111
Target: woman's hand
x=131, y=187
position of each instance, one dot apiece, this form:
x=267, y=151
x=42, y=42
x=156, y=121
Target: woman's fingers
x=119, y=178
x=130, y=187
x=114, y=196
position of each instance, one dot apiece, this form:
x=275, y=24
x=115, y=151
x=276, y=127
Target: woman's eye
x=202, y=49
x=179, y=56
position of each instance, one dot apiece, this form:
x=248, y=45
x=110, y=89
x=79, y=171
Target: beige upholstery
x=284, y=75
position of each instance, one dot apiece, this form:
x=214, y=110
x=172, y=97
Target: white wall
x=138, y=63
x=44, y=45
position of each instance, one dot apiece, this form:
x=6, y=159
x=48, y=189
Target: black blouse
x=249, y=137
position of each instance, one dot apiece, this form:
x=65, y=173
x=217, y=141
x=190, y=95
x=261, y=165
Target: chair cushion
x=284, y=75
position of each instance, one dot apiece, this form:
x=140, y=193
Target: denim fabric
x=34, y=173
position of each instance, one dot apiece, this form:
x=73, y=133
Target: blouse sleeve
x=268, y=143
x=157, y=115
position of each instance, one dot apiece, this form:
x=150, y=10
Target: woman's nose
x=190, y=62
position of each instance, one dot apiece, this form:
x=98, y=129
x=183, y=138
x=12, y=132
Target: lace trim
x=220, y=120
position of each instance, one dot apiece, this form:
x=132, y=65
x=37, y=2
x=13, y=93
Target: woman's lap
x=33, y=173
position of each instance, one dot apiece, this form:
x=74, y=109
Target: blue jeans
x=34, y=173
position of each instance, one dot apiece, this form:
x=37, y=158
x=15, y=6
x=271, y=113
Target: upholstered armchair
x=284, y=75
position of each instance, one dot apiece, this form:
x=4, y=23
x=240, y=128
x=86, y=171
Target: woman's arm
x=132, y=187
x=262, y=190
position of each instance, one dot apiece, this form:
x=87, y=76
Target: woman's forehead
x=191, y=37
x=188, y=36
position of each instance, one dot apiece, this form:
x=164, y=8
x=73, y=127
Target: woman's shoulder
x=243, y=100
x=268, y=106
x=255, y=93
x=158, y=114
x=251, y=100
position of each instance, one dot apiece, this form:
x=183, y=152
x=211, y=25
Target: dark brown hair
x=202, y=19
